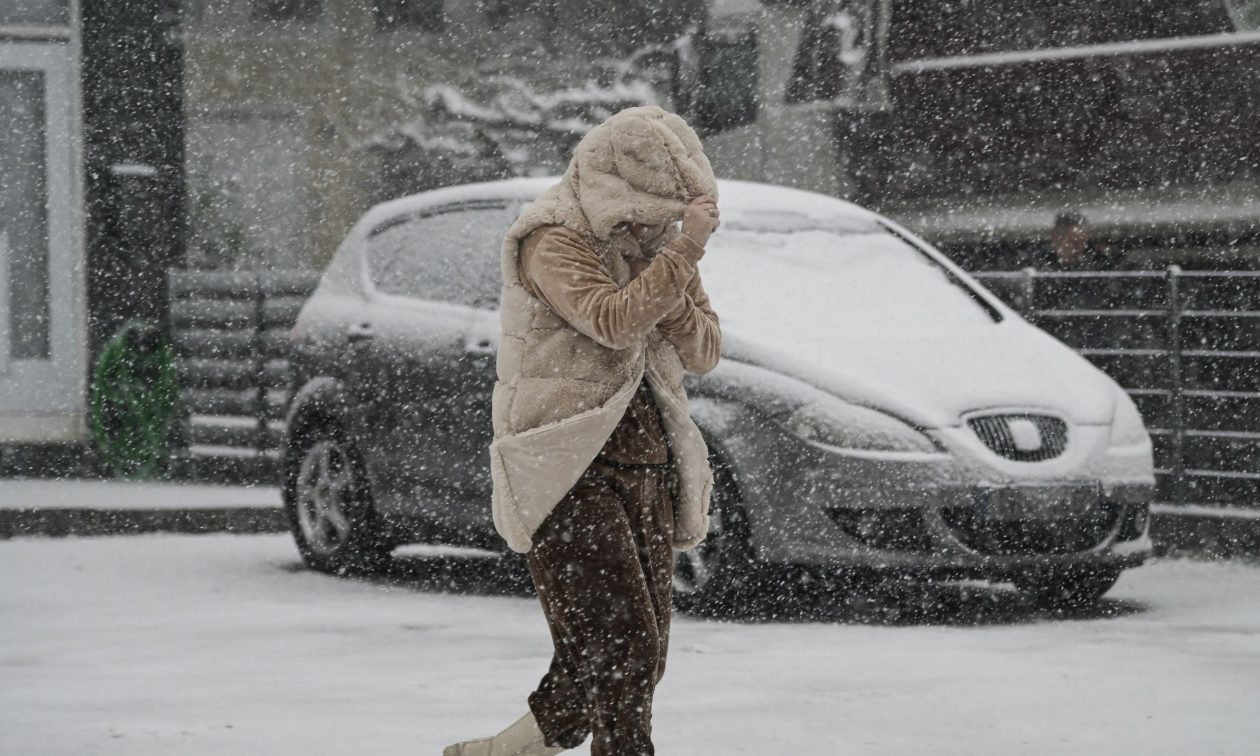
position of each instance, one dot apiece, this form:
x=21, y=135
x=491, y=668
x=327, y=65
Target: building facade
x=91, y=195
x=250, y=134
x=975, y=125
x=302, y=114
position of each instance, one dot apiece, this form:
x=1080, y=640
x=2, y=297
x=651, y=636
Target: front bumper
x=934, y=517
x=946, y=533
x=956, y=532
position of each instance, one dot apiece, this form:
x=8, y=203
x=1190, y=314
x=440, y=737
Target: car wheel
x=1067, y=588
x=329, y=505
x=718, y=575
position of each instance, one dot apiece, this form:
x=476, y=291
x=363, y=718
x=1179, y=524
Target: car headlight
x=1127, y=428
x=845, y=426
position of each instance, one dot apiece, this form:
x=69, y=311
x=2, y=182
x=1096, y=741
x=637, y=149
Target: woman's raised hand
x=700, y=219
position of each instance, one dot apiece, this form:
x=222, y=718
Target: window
x=410, y=14
x=445, y=255
x=285, y=10
x=40, y=12
x=1245, y=13
x=24, y=242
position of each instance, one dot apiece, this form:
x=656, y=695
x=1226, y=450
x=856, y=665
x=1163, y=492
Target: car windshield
x=769, y=274
x=445, y=255
x=767, y=271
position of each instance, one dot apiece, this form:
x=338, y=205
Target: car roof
x=736, y=197
x=740, y=201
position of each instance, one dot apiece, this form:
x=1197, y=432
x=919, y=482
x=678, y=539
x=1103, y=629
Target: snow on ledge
x=34, y=493
x=1199, y=510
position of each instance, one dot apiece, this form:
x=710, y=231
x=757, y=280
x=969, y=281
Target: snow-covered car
x=875, y=408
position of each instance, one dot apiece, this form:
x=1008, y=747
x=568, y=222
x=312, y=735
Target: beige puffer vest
x=559, y=393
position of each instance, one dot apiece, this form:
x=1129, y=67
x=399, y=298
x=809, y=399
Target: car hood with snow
x=824, y=292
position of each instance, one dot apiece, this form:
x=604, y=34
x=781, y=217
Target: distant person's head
x=1069, y=238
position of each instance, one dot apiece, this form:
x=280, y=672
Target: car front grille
x=1021, y=437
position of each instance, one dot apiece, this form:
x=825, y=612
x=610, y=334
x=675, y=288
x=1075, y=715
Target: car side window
x=449, y=254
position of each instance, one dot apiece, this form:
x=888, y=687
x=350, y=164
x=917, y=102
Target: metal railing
x=231, y=337
x=1185, y=345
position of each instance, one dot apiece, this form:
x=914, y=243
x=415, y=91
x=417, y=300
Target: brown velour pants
x=603, y=563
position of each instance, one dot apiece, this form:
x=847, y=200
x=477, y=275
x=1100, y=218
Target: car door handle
x=360, y=332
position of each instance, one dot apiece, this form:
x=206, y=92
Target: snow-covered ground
x=190, y=645
x=63, y=493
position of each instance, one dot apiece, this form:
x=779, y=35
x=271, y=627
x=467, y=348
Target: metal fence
x=231, y=337
x=1184, y=344
x=1186, y=347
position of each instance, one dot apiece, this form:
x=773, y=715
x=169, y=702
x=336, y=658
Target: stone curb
x=16, y=523
x=1201, y=533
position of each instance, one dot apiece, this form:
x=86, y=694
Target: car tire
x=719, y=575
x=329, y=505
x=1062, y=589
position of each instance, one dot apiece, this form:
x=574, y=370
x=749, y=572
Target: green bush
x=134, y=390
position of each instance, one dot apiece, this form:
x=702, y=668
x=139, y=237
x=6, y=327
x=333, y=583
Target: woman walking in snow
x=599, y=472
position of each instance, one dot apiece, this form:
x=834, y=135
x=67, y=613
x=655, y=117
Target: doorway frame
x=60, y=413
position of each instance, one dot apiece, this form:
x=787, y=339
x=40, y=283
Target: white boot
x=521, y=738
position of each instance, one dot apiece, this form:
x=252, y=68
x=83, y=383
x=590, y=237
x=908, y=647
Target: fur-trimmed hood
x=643, y=164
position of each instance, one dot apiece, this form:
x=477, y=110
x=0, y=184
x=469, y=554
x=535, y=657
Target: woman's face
x=641, y=231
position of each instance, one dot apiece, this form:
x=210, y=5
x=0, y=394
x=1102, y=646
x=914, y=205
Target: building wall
x=1141, y=115
x=296, y=126
x=134, y=160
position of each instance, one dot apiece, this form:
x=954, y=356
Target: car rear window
x=444, y=255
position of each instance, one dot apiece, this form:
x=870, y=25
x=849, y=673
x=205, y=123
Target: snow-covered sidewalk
x=39, y=506
x=191, y=645
x=73, y=493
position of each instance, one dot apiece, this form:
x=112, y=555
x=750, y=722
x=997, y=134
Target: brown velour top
x=639, y=439
x=560, y=270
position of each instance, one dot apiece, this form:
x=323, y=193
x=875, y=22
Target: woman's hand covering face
x=701, y=219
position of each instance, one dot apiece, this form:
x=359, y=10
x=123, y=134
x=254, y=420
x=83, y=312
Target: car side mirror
x=715, y=78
